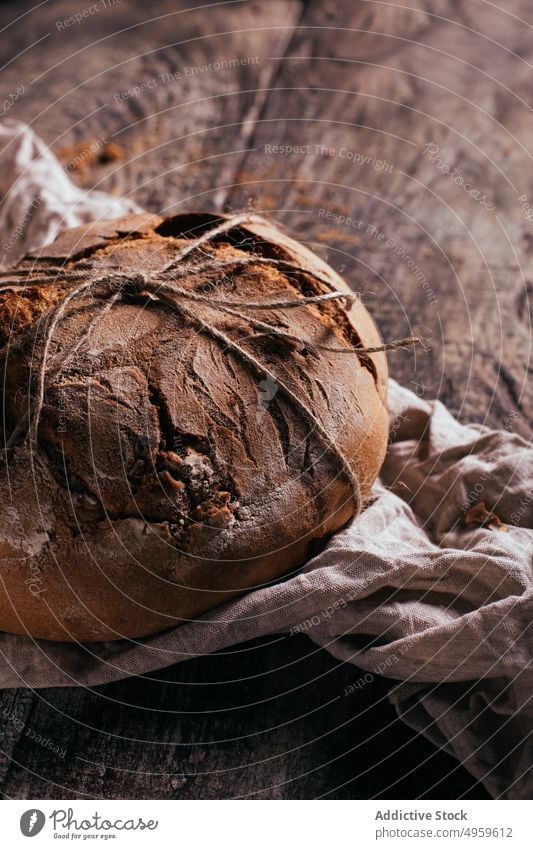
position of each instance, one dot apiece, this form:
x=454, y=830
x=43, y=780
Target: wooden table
x=315, y=113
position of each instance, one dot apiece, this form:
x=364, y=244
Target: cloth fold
x=408, y=590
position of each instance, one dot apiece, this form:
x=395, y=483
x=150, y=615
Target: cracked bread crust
x=171, y=473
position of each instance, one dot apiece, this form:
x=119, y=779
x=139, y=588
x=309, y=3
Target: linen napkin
x=432, y=585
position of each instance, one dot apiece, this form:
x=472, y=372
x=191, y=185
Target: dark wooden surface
x=377, y=79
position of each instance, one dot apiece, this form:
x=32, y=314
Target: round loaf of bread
x=187, y=416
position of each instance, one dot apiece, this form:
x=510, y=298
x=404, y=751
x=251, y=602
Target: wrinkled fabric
x=408, y=591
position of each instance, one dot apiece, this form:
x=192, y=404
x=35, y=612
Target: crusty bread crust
x=172, y=471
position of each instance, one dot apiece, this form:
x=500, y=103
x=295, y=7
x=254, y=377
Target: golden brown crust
x=174, y=470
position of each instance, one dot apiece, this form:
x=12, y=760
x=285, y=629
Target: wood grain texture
x=427, y=254
x=267, y=720
x=372, y=79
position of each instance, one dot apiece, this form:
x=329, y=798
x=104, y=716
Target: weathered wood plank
x=376, y=119
x=267, y=720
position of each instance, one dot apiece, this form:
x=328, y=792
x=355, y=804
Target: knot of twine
x=117, y=284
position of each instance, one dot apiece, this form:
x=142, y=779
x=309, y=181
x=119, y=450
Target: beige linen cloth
x=407, y=590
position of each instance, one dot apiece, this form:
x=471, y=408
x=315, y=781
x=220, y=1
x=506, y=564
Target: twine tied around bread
x=158, y=288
